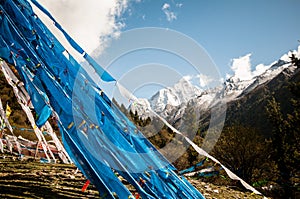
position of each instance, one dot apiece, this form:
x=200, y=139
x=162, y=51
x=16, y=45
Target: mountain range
x=246, y=94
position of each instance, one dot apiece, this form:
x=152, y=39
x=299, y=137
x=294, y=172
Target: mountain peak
x=178, y=94
x=167, y=98
x=235, y=86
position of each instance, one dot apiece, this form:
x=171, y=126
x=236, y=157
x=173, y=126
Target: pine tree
x=243, y=150
x=295, y=60
x=189, y=126
x=285, y=140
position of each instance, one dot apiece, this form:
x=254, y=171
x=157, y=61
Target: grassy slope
x=31, y=179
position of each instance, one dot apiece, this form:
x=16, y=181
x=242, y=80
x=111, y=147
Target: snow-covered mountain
x=167, y=98
x=180, y=93
x=235, y=87
x=171, y=102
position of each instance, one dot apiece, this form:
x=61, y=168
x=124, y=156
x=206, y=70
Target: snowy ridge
x=171, y=102
x=166, y=99
x=141, y=107
x=180, y=93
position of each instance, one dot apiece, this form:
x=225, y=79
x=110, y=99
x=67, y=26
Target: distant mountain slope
x=249, y=109
x=245, y=98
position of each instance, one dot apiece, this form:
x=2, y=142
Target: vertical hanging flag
x=4, y=120
x=8, y=110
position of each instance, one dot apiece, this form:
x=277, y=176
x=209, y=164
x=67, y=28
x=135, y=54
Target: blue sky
x=257, y=31
x=226, y=29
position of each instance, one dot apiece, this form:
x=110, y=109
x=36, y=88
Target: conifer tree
x=285, y=141
x=243, y=150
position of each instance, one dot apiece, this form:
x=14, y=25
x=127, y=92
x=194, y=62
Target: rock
x=209, y=189
x=71, y=176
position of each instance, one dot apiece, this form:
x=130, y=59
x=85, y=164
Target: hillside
x=261, y=131
x=250, y=108
x=247, y=109
x=31, y=179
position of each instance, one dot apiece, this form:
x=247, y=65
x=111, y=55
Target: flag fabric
x=96, y=138
x=4, y=120
x=7, y=111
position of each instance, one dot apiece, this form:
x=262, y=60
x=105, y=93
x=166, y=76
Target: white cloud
x=242, y=67
x=165, y=6
x=204, y=80
x=200, y=80
x=260, y=69
x=88, y=22
x=169, y=14
x=286, y=57
x=179, y=5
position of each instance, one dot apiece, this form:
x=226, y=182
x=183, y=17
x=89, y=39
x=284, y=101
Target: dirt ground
x=31, y=179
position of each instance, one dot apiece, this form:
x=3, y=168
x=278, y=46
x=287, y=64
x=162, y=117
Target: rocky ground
x=211, y=191
x=31, y=179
